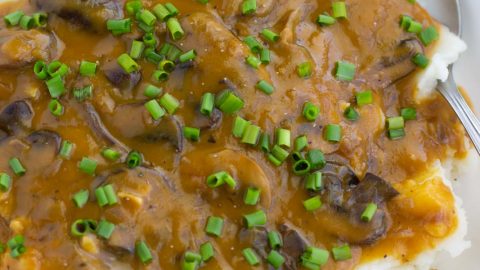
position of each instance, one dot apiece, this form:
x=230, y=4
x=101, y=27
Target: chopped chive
x=369, y=212
x=264, y=142
x=105, y=229
x=345, y=71
x=78, y=228
x=342, y=253
x=166, y=65
x=170, y=103
x=192, y=257
x=145, y=28
x=133, y=7
x=252, y=43
x=316, y=159
x=364, y=98
x=137, y=49
x=415, y=27
x=17, y=167
x=160, y=75
x=83, y=94
x=118, y=27
x=192, y=134
x=214, y=226
x=313, y=182
x=395, y=122
x=127, y=63
x=40, y=70
x=351, y=114
x=87, y=165
x=206, y=251
x=13, y=19
x=275, y=259
x=134, y=159
x=66, y=149
x=301, y=142
x=27, y=22
x=111, y=194
x=274, y=160
x=420, y=60
x=251, y=135
x=304, y=70
x=188, y=56
x=250, y=256
x=55, y=86
x=283, y=137
x=269, y=35
x=146, y=17
x=88, y=68
x=228, y=102
x=325, y=20
x=265, y=57
x=296, y=156
x=172, y=9
x=339, y=10
x=81, y=198
x=312, y=204
x=255, y=219
x=57, y=68
x=152, y=56
x=5, y=182
x=314, y=258
x=253, y=61
x=151, y=91
x=279, y=153
x=396, y=134
x=143, y=252
x=101, y=196
x=175, y=29
x=249, y=7
x=252, y=196
x=155, y=110
x=333, y=133
x=301, y=167
x=274, y=240
x=405, y=22
x=310, y=111
x=409, y=113
x=428, y=35
x=217, y=179
x=265, y=87
x=161, y=12
x=111, y=154
x=55, y=107
x=207, y=104
x=239, y=127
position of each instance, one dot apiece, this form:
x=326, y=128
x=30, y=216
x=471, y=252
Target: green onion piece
x=118, y=27
x=170, y=103
x=175, y=29
x=192, y=134
x=301, y=167
x=27, y=22
x=341, y=253
x=316, y=159
x=127, y=63
x=160, y=75
x=166, y=47
x=269, y=35
x=137, y=49
x=351, y=114
x=111, y=154
x=228, y=102
x=134, y=159
x=155, y=110
x=111, y=194
x=279, y=153
x=13, y=19
x=192, y=257
x=16, y=241
x=17, y=167
x=173, y=53
x=265, y=56
x=369, y=212
x=87, y=165
x=313, y=182
x=428, y=35
x=345, y=71
x=55, y=86
x=81, y=198
x=255, y=219
x=228, y=179
x=40, y=70
x=274, y=160
x=415, y=27
x=105, y=229
x=207, y=104
x=146, y=17
x=304, y=70
x=364, y=98
x=217, y=179
x=88, y=68
x=405, y=22
x=143, y=252
x=314, y=258
x=150, y=40
x=251, y=135
x=252, y=43
x=145, y=28
x=188, y=56
x=203, y=1
x=301, y=142
x=83, y=93
x=265, y=87
x=250, y=256
x=283, y=137
x=57, y=68
x=133, y=7
x=172, y=9
x=310, y=111
x=275, y=240
x=101, y=196
x=420, y=60
x=55, y=107
x=333, y=133
x=249, y=7
x=409, y=113
x=275, y=259
x=312, y=204
x=325, y=20
x=396, y=134
x=206, y=251
x=190, y=265
x=5, y=182
x=152, y=56
x=296, y=156
x=16, y=252
x=252, y=196
x=265, y=142
x=161, y=12
x=151, y=91
x=253, y=61
x=91, y=225
x=66, y=149
x=79, y=228
x=395, y=122
x=339, y=10
x=214, y=226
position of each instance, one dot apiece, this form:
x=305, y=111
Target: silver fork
x=448, y=12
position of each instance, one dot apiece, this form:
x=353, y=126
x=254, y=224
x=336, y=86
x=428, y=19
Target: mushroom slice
x=16, y=117
x=119, y=78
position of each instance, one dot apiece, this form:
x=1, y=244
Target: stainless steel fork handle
x=449, y=90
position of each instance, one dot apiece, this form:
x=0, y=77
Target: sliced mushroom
x=294, y=245
x=122, y=240
x=119, y=78
x=256, y=238
x=213, y=122
x=16, y=117
x=90, y=15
